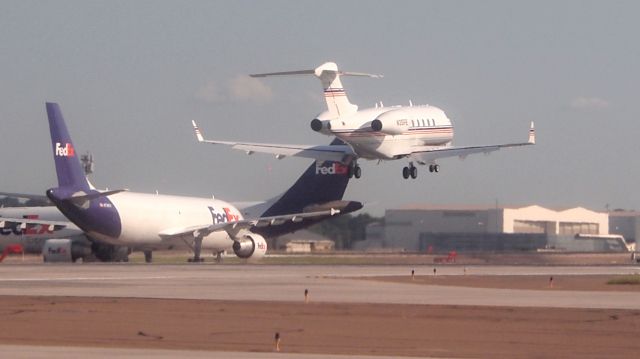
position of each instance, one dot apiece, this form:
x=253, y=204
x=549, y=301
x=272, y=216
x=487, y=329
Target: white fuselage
x=34, y=235
x=400, y=130
x=143, y=217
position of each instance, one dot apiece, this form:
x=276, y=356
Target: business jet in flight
x=420, y=134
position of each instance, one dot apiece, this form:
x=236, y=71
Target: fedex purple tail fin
x=68, y=167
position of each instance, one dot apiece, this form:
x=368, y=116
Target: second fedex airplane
x=152, y=221
x=421, y=134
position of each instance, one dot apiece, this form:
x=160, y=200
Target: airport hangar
x=431, y=228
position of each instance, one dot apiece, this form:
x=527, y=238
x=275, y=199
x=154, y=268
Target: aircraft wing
x=427, y=154
x=339, y=153
x=234, y=227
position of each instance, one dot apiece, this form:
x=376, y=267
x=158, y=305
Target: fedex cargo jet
x=150, y=221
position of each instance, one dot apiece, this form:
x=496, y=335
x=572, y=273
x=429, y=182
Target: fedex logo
x=28, y=229
x=224, y=216
x=66, y=151
x=58, y=250
x=335, y=169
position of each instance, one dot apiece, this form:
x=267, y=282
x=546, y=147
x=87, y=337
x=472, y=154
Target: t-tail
x=334, y=94
x=68, y=168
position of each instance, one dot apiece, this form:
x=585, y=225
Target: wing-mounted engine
x=392, y=122
x=249, y=245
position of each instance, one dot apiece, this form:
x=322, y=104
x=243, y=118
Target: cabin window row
x=423, y=122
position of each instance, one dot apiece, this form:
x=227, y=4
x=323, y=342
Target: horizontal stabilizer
x=89, y=196
x=317, y=73
x=284, y=73
x=335, y=96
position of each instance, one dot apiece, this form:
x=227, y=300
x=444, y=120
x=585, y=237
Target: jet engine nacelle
x=322, y=123
x=322, y=126
x=64, y=250
x=391, y=122
x=250, y=245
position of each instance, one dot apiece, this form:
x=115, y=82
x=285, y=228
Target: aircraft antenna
x=87, y=163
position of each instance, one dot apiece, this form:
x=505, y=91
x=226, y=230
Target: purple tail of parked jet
x=68, y=167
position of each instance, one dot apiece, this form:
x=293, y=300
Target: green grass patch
x=633, y=279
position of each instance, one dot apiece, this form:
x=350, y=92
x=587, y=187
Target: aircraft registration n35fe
x=152, y=221
x=421, y=134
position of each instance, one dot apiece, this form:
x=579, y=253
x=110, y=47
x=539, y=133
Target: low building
x=304, y=241
x=310, y=246
x=444, y=228
x=626, y=224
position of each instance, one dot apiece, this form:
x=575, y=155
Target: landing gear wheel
x=406, y=172
x=414, y=172
x=148, y=256
x=357, y=171
x=436, y=168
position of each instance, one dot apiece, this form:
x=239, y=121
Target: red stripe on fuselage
x=416, y=131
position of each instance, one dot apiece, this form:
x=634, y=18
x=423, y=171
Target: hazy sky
x=131, y=75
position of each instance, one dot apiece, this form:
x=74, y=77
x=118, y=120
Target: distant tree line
x=345, y=230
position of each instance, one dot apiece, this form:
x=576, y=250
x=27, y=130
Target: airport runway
x=287, y=283
x=50, y=352
x=326, y=283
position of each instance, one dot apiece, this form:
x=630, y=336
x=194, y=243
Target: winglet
x=197, y=131
x=532, y=134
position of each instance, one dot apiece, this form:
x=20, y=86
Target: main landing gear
x=197, y=249
x=148, y=256
x=355, y=170
x=412, y=171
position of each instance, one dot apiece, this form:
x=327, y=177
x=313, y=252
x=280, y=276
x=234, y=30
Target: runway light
x=277, y=341
x=306, y=296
